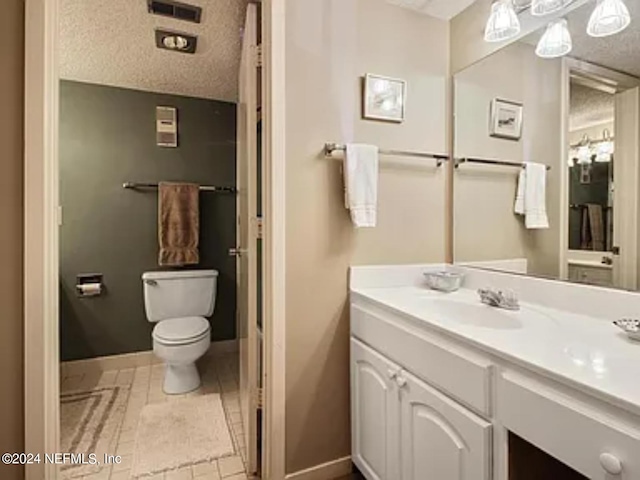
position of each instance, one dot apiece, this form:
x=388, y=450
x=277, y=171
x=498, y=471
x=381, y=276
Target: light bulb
x=609, y=17
x=503, y=23
x=556, y=41
x=546, y=7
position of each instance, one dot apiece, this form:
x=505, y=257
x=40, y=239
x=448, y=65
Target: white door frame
x=597, y=77
x=41, y=261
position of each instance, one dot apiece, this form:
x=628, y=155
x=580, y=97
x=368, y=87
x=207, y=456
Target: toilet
x=178, y=302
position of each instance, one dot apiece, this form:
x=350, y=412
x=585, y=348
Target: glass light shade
x=609, y=17
x=545, y=7
x=503, y=22
x=584, y=155
x=556, y=41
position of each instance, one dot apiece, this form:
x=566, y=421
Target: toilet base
x=179, y=379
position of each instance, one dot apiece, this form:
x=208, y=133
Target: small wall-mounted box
x=167, y=127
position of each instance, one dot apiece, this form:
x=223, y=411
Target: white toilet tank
x=179, y=294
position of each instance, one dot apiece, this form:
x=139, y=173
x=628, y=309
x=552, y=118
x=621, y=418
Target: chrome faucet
x=506, y=299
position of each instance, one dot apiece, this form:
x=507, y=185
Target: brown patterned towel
x=178, y=223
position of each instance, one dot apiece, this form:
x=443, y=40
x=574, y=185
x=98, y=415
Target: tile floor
x=219, y=375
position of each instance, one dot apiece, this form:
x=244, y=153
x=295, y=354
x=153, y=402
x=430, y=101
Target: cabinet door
x=440, y=438
x=375, y=414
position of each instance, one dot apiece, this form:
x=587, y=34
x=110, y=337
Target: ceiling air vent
x=177, y=10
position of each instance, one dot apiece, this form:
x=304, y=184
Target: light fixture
x=546, y=7
x=609, y=17
x=606, y=147
x=176, y=41
x=556, y=41
x=584, y=151
x=503, y=23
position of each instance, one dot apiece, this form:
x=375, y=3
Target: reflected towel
x=592, y=228
x=361, y=184
x=531, y=196
x=178, y=224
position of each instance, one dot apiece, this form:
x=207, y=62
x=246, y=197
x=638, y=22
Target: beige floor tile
x=239, y=476
x=125, y=376
x=124, y=465
x=103, y=474
x=125, y=448
x=122, y=475
x=208, y=476
x=127, y=436
x=181, y=474
x=108, y=378
x=230, y=465
x=72, y=382
x=202, y=469
x=146, y=387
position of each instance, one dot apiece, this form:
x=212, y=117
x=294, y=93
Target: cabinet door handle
x=611, y=464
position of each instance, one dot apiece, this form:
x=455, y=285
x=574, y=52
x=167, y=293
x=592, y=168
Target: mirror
x=576, y=217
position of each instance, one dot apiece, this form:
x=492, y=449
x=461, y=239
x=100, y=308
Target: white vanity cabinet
x=375, y=415
x=403, y=428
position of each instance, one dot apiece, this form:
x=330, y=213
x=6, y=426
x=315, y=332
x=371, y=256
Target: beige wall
x=330, y=45
x=486, y=227
x=11, y=182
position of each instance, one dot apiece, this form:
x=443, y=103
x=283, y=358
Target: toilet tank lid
x=175, y=275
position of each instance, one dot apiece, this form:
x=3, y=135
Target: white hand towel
x=361, y=184
x=531, y=197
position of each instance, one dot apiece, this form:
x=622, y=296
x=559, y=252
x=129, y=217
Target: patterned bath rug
x=89, y=423
x=180, y=433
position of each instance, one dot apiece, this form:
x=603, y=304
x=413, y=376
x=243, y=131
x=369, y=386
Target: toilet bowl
x=178, y=302
x=179, y=342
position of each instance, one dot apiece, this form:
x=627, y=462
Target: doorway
x=93, y=284
x=599, y=210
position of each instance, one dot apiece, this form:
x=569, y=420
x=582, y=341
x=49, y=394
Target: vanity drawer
x=591, y=275
x=568, y=428
x=457, y=371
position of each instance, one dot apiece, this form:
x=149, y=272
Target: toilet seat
x=181, y=331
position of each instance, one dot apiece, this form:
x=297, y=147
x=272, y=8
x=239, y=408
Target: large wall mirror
x=577, y=217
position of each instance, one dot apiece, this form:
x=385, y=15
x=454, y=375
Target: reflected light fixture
x=503, y=23
x=556, y=41
x=584, y=151
x=609, y=17
x=605, y=148
x=540, y=8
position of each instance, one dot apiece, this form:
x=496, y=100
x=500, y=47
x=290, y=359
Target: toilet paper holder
x=89, y=285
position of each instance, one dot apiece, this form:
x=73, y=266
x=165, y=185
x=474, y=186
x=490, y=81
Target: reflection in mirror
x=547, y=178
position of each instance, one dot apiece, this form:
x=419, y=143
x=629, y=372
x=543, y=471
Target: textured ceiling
x=112, y=43
x=445, y=9
x=619, y=52
x=589, y=107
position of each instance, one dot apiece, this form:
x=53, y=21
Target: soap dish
x=444, y=281
x=630, y=326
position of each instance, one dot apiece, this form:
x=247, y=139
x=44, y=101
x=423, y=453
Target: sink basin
x=479, y=315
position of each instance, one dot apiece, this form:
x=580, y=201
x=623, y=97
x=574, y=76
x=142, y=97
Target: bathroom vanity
x=440, y=382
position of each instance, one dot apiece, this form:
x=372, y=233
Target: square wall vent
x=177, y=10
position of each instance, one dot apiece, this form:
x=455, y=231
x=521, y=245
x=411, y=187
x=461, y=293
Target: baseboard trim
x=327, y=471
x=133, y=360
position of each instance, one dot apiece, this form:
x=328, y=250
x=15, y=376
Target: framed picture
x=506, y=119
x=384, y=98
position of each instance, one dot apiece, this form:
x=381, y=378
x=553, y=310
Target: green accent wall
x=107, y=137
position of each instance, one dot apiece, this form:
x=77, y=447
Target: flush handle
x=151, y=282
x=611, y=464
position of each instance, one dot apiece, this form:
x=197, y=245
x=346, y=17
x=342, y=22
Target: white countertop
x=578, y=350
